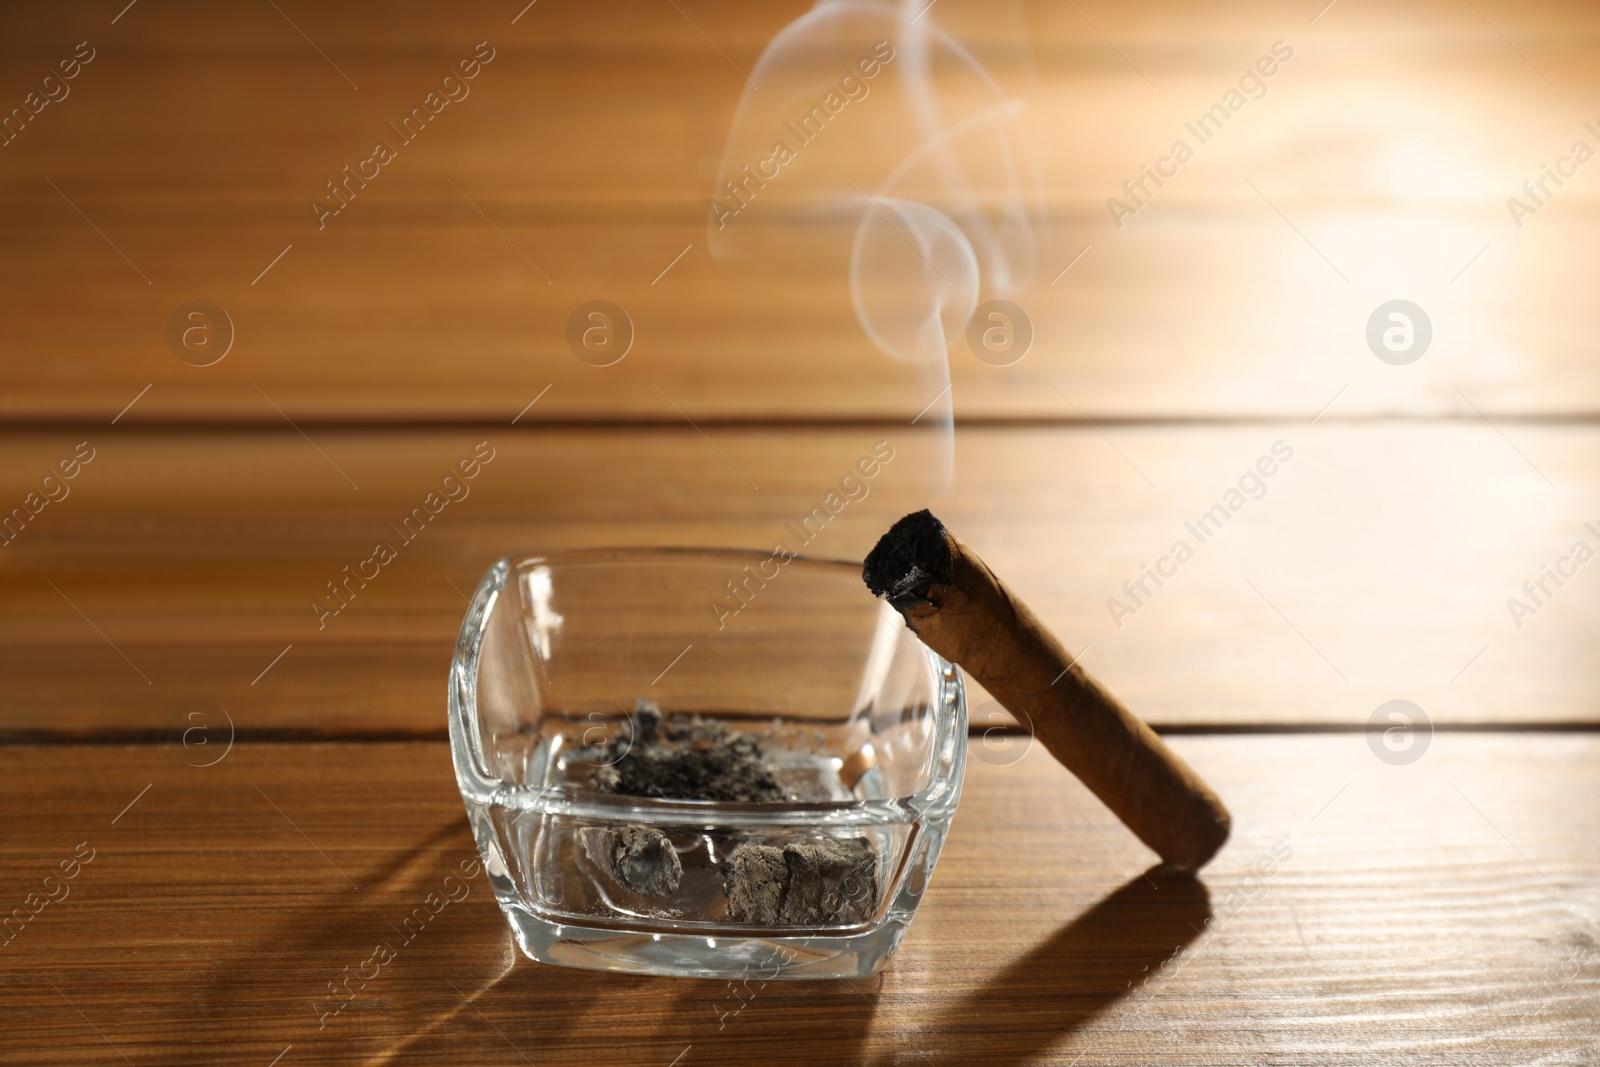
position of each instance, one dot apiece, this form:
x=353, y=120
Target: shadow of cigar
x=1066, y=981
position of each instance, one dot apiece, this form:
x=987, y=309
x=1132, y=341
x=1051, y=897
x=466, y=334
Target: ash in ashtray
x=821, y=883
x=826, y=882
x=687, y=759
x=640, y=858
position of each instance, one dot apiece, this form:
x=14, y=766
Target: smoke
x=881, y=136
x=913, y=279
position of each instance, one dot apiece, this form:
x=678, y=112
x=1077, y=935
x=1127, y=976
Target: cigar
x=957, y=606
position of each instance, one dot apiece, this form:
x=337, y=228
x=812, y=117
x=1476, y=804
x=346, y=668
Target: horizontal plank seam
x=295, y=735
x=786, y=422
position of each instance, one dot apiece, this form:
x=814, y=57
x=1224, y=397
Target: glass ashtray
x=702, y=762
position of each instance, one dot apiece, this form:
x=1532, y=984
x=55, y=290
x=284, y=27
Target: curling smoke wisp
x=869, y=127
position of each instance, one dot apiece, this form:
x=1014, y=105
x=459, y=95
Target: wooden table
x=248, y=801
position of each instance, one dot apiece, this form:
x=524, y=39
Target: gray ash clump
x=817, y=883
x=687, y=759
x=640, y=858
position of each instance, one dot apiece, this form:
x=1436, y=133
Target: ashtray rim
x=940, y=792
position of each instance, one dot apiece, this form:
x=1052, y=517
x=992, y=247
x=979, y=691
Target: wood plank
x=1440, y=912
x=1377, y=565
x=1381, y=157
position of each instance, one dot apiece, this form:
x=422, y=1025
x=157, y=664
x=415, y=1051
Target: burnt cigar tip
x=912, y=556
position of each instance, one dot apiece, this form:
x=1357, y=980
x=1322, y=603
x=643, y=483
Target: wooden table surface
x=1432, y=908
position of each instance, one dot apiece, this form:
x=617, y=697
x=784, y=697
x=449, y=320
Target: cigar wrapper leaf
x=961, y=610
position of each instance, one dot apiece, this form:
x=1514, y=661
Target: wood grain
x=1377, y=165
x=1363, y=913
x=1377, y=564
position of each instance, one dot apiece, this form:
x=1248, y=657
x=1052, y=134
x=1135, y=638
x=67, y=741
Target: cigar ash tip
x=910, y=559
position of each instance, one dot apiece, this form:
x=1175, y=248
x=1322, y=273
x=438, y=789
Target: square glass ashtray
x=702, y=762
